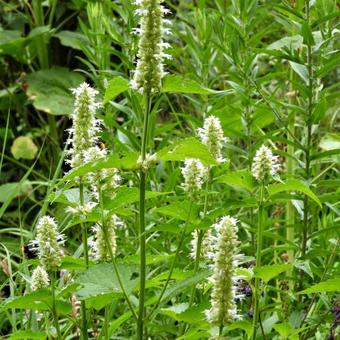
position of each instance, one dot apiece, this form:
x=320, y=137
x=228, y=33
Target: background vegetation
x=267, y=70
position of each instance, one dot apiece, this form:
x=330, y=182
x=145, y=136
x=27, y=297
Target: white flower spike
x=39, y=278
x=150, y=69
x=265, y=164
x=193, y=172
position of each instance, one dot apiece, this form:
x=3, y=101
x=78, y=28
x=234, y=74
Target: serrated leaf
x=293, y=185
x=101, y=279
x=178, y=210
x=188, y=148
x=116, y=86
x=239, y=180
x=284, y=329
x=266, y=273
x=242, y=324
x=331, y=285
x=23, y=147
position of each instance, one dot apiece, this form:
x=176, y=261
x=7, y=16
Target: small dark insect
x=101, y=146
x=29, y=251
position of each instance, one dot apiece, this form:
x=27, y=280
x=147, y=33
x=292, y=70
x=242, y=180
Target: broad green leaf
x=239, y=180
x=50, y=90
x=101, y=279
x=116, y=86
x=126, y=162
x=242, y=324
x=284, y=329
x=331, y=285
x=29, y=335
x=177, y=84
x=188, y=148
x=72, y=39
x=301, y=70
x=72, y=263
x=24, y=147
x=38, y=300
x=293, y=185
x=178, y=210
x=266, y=273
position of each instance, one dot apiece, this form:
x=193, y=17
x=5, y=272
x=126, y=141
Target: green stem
x=173, y=262
x=54, y=308
x=142, y=237
x=108, y=245
x=86, y=260
x=257, y=293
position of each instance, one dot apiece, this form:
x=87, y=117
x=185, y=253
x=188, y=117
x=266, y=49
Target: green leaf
x=266, y=273
x=301, y=70
x=72, y=263
x=242, y=324
x=126, y=162
x=284, y=329
x=72, y=39
x=293, y=185
x=188, y=148
x=307, y=34
x=38, y=300
x=182, y=312
x=331, y=285
x=331, y=141
x=176, y=84
x=292, y=43
x=50, y=90
x=239, y=180
x=116, y=86
x=27, y=335
x=23, y=147
x=178, y=210
x=15, y=189
x=101, y=279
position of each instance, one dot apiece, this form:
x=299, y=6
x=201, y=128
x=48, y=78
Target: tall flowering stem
x=265, y=167
x=147, y=80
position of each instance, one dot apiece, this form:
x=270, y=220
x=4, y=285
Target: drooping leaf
x=72, y=39
x=293, y=185
x=331, y=285
x=301, y=70
x=50, y=90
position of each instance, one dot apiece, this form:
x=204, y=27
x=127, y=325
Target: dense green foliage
x=268, y=71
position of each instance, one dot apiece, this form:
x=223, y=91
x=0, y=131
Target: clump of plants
x=169, y=170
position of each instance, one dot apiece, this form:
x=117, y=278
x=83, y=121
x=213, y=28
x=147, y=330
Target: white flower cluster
x=100, y=245
x=85, y=127
x=205, y=245
x=193, y=172
x=265, y=164
x=212, y=136
x=39, y=278
x=104, y=179
x=150, y=69
x=49, y=243
x=225, y=260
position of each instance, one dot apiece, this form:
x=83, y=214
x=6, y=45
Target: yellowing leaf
x=23, y=147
